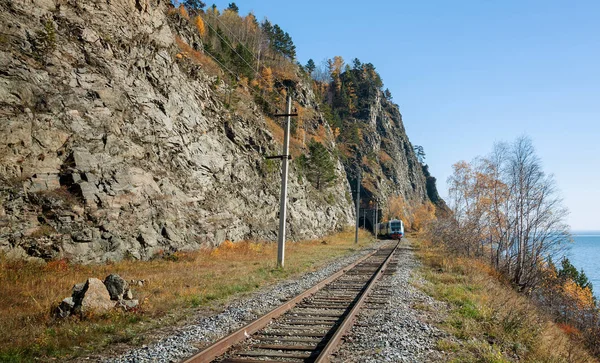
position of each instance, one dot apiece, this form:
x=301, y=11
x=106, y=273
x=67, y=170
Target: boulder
x=77, y=292
x=65, y=308
x=128, y=304
x=95, y=298
x=116, y=286
x=128, y=295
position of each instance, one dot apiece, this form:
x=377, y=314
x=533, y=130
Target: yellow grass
x=492, y=321
x=187, y=52
x=296, y=146
x=177, y=286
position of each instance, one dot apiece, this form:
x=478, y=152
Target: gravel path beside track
x=184, y=342
x=397, y=332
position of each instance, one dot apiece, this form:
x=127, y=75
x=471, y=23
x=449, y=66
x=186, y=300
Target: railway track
x=309, y=327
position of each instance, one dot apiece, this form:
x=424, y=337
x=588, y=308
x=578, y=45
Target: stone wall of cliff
x=113, y=146
x=113, y=143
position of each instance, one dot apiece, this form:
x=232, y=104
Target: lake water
x=585, y=254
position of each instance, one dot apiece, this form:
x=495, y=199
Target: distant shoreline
x=594, y=233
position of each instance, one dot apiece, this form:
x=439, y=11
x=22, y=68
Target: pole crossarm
x=289, y=157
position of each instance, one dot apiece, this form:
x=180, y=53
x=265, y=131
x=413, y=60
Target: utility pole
x=376, y=220
x=364, y=217
x=357, y=206
x=284, y=176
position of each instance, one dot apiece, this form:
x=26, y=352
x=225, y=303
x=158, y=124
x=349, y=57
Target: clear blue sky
x=469, y=73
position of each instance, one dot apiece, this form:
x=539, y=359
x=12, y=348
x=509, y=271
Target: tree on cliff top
x=194, y=5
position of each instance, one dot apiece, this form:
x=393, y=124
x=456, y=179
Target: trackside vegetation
x=177, y=287
x=489, y=320
x=506, y=230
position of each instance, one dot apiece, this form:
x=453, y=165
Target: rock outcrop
x=387, y=161
x=111, y=146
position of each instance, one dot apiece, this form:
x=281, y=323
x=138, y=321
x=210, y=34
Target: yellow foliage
x=250, y=22
x=423, y=215
x=397, y=208
x=336, y=132
x=267, y=79
x=184, y=14
x=200, y=26
x=335, y=66
x=582, y=297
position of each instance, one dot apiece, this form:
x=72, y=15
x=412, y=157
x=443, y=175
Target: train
x=392, y=229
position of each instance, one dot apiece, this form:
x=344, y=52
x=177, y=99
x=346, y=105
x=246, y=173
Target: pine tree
x=194, y=5
x=310, y=66
x=320, y=167
x=387, y=94
x=420, y=152
x=233, y=7
x=568, y=271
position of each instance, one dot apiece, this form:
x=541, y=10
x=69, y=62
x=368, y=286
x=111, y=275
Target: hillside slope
x=115, y=143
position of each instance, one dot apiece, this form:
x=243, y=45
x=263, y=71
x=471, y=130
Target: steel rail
x=221, y=346
x=346, y=325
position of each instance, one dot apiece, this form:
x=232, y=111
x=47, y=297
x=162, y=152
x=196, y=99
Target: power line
x=242, y=58
x=237, y=76
x=233, y=35
x=222, y=65
x=231, y=47
x=235, y=51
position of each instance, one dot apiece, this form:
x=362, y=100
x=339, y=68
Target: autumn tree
x=200, y=26
x=509, y=209
x=396, y=207
x=183, y=12
x=267, y=79
x=422, y=216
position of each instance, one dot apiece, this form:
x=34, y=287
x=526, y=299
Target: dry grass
x=296, y=146
x=493, y=322
x=177, y=286
x=187, y=52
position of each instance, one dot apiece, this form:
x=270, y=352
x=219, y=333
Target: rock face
x=111, y=146
x=386, y=159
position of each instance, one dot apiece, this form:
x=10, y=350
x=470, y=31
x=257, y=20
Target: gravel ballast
x=396, y=331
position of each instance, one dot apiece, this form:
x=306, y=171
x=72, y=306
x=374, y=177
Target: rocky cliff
x=114, y=144
x=385, y=156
